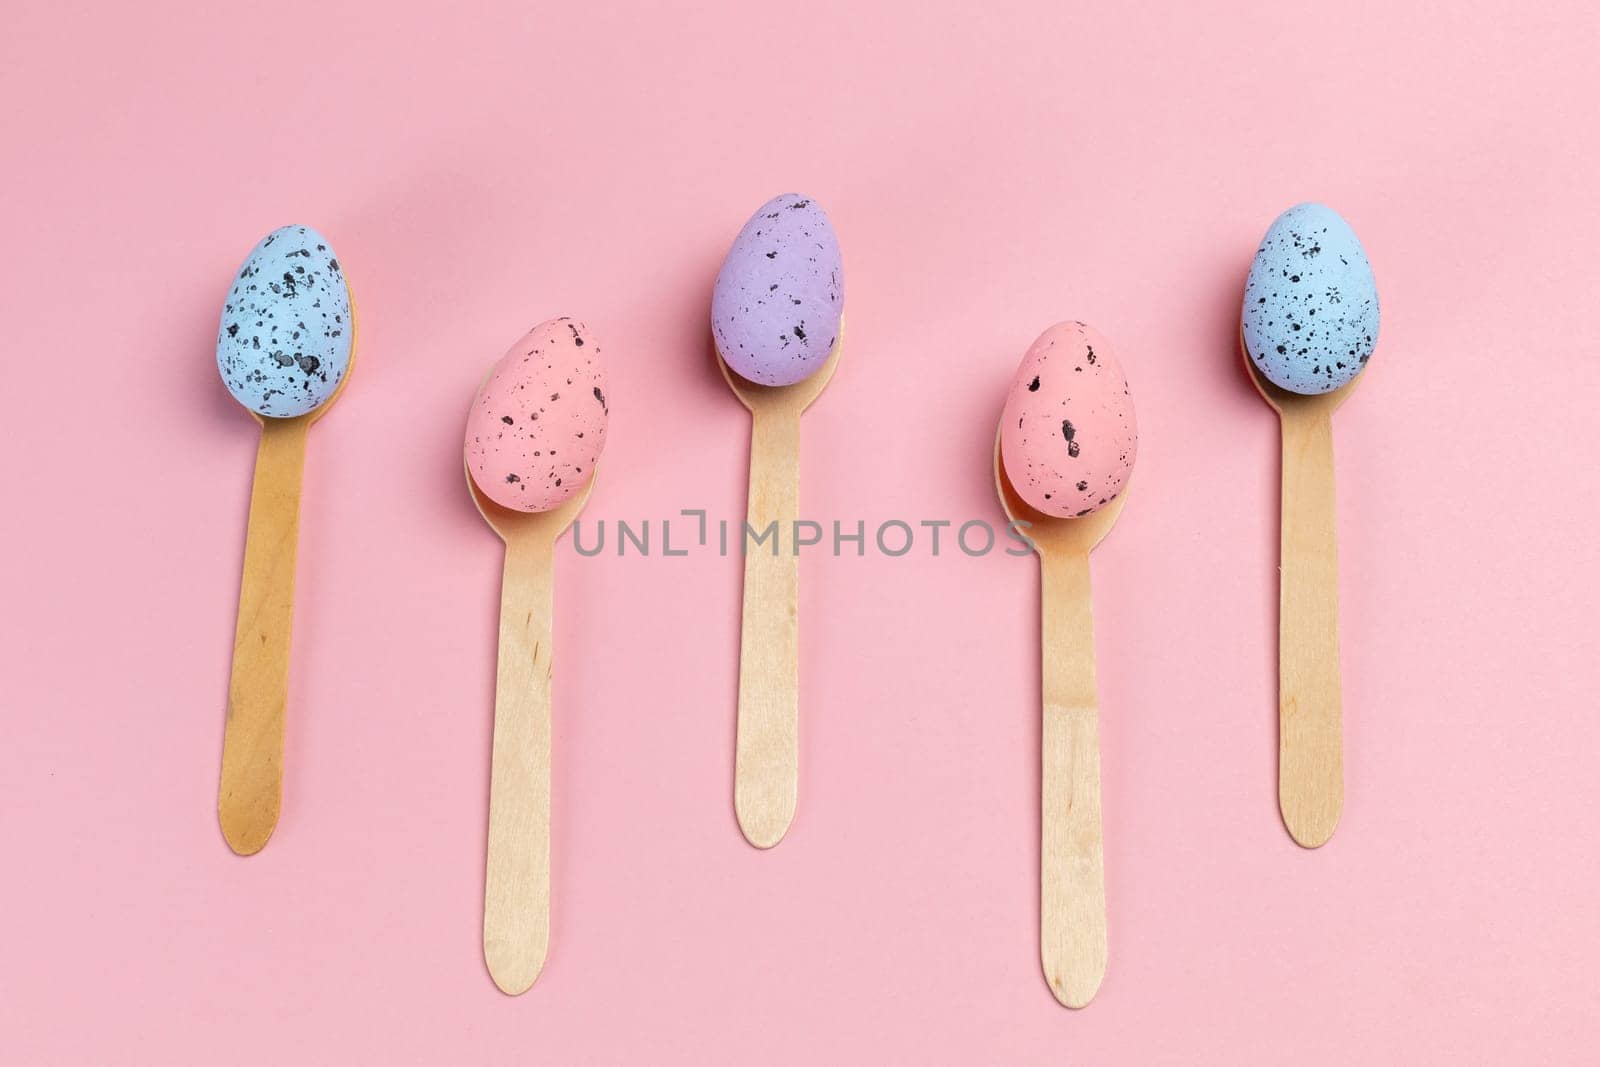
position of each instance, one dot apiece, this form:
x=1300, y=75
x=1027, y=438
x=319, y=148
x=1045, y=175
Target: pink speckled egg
x=539, y=423
x=1068, y=437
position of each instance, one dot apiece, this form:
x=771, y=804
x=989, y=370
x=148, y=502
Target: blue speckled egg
x=1310, y=313
x=284, y=343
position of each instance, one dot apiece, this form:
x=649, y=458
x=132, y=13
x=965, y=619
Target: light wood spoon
x=766, y=761
x=1072, y=884
x=1310, y=743
x=516, y=894
x=250, y=794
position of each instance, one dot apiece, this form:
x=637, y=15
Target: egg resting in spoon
x=1310, y=314
x=284, y=342
x=1068, y=436
x=538, y=424
x=779, y=297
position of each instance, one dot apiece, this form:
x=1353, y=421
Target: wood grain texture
x=516, y=908
x=767, y=750
x=1072, y=892
x=1310, y=714
x=250, y=794
x=1310, y=729
x=516, y=885
x=1072, y=886
x=766, y=770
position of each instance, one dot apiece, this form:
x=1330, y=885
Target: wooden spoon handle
x=516, y=903
x=1072, y=889
x=1310, y=750
x=251, y=790
x=766, y=764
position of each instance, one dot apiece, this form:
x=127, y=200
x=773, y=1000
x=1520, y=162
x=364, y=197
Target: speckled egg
x=780, y=293
x=1068, y=437
x=1310, y=313
x=537, y=426
x=284, y=343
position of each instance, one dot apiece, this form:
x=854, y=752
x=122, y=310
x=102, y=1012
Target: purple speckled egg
x=780, y=294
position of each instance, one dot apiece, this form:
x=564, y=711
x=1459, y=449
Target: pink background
x=483, y=166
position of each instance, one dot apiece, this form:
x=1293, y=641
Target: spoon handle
x=516, y=901
x=1310, y=752
x=766, y=763
x=1072, y=890
x=251, y=789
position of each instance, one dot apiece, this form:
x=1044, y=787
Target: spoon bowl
x=796, y=397
x=1290, y=404
x=316, y=413
x=511, y=525
x=1049, y=533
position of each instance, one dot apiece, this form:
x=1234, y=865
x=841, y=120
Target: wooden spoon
x=250, y=794
x=1310, y=746
x=516, y=894
x=1072, y=884
x=766, y=762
